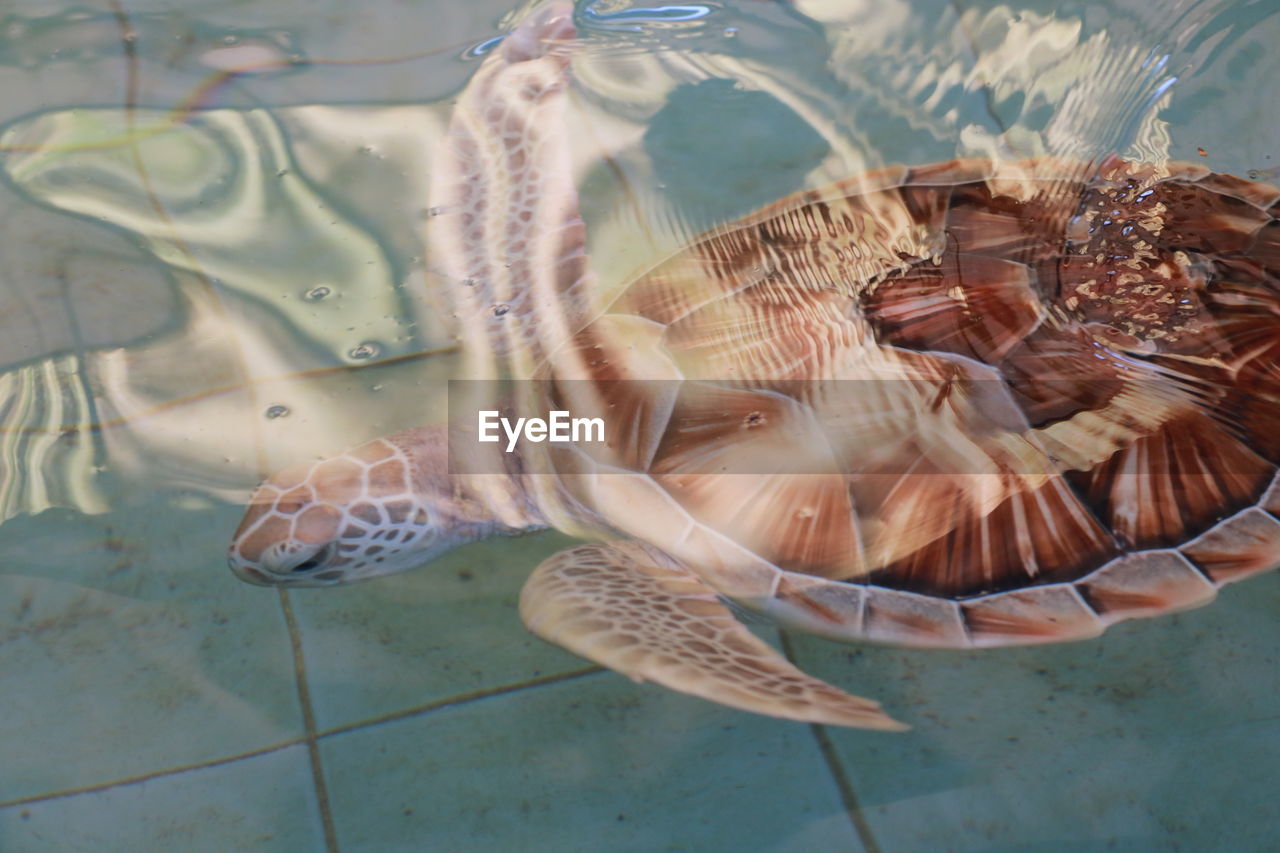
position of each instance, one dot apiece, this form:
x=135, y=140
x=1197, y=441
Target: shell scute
x=1266, y=245
x=969, y=304
x=1260, y=195
x=1192, y=217
x=961, y=548
x=1165, y=487
x=1237, y=547
x=1145, y=584
x=904, y=618
x=756, y=467
x=1044, y=614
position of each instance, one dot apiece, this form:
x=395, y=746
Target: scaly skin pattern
x=385, y=506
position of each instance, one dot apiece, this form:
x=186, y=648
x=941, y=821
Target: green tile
x=445, y=629
x=263, y=803
x=588, y=764
x=1162, y=734
x=127, y=647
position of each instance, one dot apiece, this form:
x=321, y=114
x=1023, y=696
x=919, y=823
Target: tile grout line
x=462, y=699
x=852, y=807
x=309, y=723
x=848, y=797
x=436, y=705
x=146, y=777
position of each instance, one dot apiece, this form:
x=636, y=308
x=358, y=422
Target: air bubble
x=482, y=48
x=317, y=293
x=365, y=350
x=276, y=411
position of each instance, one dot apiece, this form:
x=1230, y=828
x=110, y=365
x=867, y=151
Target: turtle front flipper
x=635, y=610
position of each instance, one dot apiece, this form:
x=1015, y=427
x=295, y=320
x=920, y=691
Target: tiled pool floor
x=152, y=703
x=149, y=701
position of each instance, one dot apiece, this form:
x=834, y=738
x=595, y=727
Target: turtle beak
x=247, y=573
x=288, y=566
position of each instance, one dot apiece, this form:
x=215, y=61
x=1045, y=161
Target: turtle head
x=383, y=507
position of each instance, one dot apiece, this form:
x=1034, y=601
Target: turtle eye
x=315, y=561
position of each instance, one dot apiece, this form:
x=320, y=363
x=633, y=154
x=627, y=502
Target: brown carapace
x=1124, y=321
x=967, y=404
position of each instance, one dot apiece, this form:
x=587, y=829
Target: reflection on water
x=267, y=242
x=212, y=241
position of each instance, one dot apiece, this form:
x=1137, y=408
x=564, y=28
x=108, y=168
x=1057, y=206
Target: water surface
x=213, y=266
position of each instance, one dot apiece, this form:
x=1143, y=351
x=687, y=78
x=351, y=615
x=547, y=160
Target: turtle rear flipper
x=635, y=610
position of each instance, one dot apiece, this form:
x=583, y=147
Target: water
x=212, y=268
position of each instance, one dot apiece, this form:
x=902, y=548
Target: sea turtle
x=961, y=405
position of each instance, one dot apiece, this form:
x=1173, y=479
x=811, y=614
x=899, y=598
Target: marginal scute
x=908, y=619
x=1144, y=584
x=817, y=605
x=1041, y=614
x=1237, y=547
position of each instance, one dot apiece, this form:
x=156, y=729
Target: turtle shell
x=959, y=404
